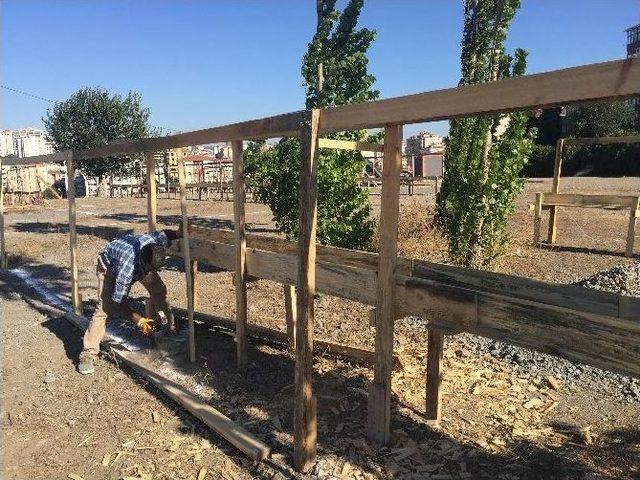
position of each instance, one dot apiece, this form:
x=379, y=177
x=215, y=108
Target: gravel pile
x=623, y=279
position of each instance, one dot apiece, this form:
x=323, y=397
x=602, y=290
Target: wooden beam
x=602, y=140
x=600, y=81
x=321, y=347
x=557, y=171
x=57, y=157
x=202, y=410
x=285, y=125
x=3, y=248
x=150, y=162
x=290, y=314
x=435, y=350
x=324, y=253
x=240, y=253
x=305, y=421
x=537, y=219
x=379, y=407
x=186, y=254
x=589, y=200
x=631, y=232
x=193, y=271
x=73, y=237
x=350, y=145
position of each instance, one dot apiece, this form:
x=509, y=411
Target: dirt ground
x=497, y=423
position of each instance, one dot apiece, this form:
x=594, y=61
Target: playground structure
x=588, y=326
x=555, y=199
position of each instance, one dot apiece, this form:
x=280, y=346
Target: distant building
x=6, y=143
x=424, y=143
x=29, y=142
x=633, y=50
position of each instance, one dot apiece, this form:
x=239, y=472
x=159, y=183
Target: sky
x=201, y=63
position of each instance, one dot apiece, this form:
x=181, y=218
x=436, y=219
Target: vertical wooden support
x=537, y=219
x=241, y=253
x=553, y=212
x=435, y=349
x=305, y=422
x=631, y=233
x=3, y=248
x=379, y=409
x=151, y=190
x=193, y=271
x=73, y=238
x=186, y=253
x=290, y=313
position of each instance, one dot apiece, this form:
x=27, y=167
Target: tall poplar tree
x=485, y=154
x=334, y=72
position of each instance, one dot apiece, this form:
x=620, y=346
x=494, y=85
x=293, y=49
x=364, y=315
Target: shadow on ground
x=262, y=401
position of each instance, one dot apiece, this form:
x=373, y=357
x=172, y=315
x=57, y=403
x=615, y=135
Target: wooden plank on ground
x=240, y=254
x=152, y=208
x=379, y=405
x=601, y=81
x=305, y=415
x=201, y=409
x=186, y=255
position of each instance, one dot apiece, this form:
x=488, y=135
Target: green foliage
x=609, y=119
x=93, y=117
x=338, y=50
x=485, y=154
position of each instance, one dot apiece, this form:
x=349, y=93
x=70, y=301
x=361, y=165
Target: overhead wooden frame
x=554, y=199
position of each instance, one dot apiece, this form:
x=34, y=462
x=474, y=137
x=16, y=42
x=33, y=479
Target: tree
x=610, y=119
x=334, y=72
x=485, y=154
x=92, y=117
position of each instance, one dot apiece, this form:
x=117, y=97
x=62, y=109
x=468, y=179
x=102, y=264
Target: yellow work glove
x=146, y=325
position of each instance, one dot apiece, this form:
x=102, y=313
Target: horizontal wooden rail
x=588, y=200
x=56, y=157
x=583, y=325
x=601, y=81
x=597, y=82
x=602, y=140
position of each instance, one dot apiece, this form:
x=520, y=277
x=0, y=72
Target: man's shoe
x=85, y=363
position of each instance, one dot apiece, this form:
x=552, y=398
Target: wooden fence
x=593, y=327
x=555, y=199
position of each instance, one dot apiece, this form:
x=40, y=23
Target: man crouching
x=122, y=262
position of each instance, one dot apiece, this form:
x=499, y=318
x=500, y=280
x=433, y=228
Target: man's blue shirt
x=122, y=258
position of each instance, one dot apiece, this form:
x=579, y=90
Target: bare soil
x=497, y=423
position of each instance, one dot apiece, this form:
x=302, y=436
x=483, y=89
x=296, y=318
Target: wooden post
x=379, y=409
x=186, y=253
x=290, y=313
x=631, y=234
x=553, y=212
x=193, y=271
x=73, y=240
x=435, y=349
x=305, y=422
x=151, y=190
x=241, y=254
x=537, y=219
x=3, y=248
